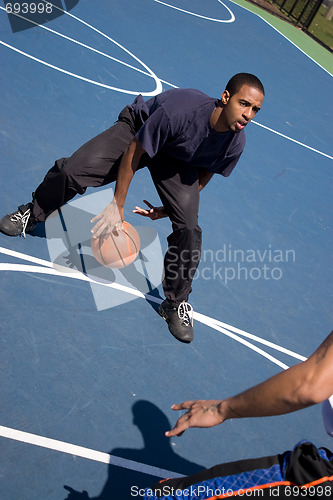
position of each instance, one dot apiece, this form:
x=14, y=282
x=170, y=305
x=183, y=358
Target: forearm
x=276, y=396
x=298, y=387
x=127, y=168
x=204, y=178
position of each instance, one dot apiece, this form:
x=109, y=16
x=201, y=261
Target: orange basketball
x=117, y=251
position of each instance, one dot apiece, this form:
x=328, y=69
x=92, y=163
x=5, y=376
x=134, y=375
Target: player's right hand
x=201, y=413
x=109, y=220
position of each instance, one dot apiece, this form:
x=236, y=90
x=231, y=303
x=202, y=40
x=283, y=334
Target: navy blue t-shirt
x=177, y=123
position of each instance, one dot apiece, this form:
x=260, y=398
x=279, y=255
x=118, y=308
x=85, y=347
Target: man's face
x=239, y=109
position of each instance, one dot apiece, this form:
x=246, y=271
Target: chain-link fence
x=312, y=16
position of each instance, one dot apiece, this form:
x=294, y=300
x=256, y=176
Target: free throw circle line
x=158, y=88
x=231, y=20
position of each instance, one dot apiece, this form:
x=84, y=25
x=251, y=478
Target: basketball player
x=184, y=137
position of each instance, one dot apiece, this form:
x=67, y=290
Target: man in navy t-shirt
x=177, y=123
x=184, y=137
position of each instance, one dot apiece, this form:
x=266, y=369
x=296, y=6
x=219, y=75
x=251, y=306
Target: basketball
x=117, y=251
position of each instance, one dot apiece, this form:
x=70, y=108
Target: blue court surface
x=88, y=368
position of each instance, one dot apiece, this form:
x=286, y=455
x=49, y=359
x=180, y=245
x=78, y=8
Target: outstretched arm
x=302, y=385
x=113, y=214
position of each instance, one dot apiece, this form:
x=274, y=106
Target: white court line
x=69, y=274
x=206, y=320
x=62, y=271
x=284, y=36
x=151, y=73
x=80, y=451
x=215, y=323
x=87, y=453
x=256, y=123
x=263, y=353
x=158, y=88
x=231, y=20
x=293, y=140
x=158, y=81
x=65, y=71
x=279, y=134
x=92, y=49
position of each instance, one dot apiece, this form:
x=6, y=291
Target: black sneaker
x=19, y=222
x=179, y=319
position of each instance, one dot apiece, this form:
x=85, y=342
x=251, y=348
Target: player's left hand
x=153, y=213
x=109, y=220
x=199, y=414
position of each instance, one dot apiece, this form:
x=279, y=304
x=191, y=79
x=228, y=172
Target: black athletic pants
x=96, y=164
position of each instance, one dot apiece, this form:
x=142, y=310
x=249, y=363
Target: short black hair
x=237, y=81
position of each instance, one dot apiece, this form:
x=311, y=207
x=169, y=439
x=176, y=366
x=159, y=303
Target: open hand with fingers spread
x=199, y=414
x=153, y=213
x=109, y=220
x=302, y=385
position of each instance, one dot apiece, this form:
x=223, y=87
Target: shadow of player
x=124, y=483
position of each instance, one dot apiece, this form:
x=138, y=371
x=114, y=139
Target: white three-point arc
x=158, y=88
